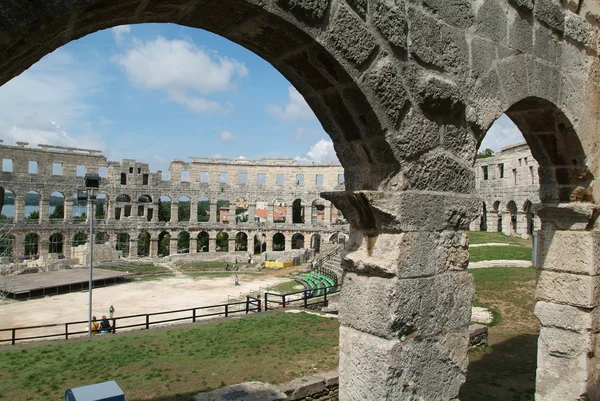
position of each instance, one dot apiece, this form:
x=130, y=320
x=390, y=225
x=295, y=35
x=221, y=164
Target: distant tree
x=100, y=211
x=164, y=245
x=485, y=153
x=164, y=211
x=183, y=213
x=203, y=210
x=59, y=212
x=3, y=217
x=35, y=215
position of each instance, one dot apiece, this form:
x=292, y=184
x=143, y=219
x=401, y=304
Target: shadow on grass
x=255, y=395
x=504, y=372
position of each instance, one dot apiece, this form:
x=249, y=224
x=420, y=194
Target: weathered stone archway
x=406, y=93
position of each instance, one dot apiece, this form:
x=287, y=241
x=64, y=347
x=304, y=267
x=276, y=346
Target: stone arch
x=203, y=209
x=222, y=241
x=297, y=211
x=241, y=241
x=7, y=209
x=102, y=206
x=241, y=210
x=279, y=210
x=337, y=238
x=483, y=220
x=260, y=243
x=56, y=243
x=223, y=209
x=32, y=205
x=315, y=242
x=164, y=208
x=498, y=214
x=80, y=238
x=261, y=211
x=183, y=208
x=203, y=242
x=278, y=242
x=529, y=214
x=32, y=245
x=164, y=244
x=183, y=242
x=56, y=206
x=297, y=241
x=122, y=243
x=512, y=211
x=143, y=244
x=317, y=215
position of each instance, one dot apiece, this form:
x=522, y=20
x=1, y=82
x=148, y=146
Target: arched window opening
x=203, y=242
x=203, y=209
x=32, y=242
x=183, y=242
x=318, y=212
x=279, y=211
x=223, y=209
x=164, y=244
x=297, y=241
x=101, y=206
x=55, y=243
x=315, y=243
x=101, y=238
x=297, y=212
x=278, y=242
x=123, y=243
x=241, y=210
x=56, y=208
x=79, y=238
x=164, y=208
x=183, y=210
x=241, y=242
x=8, y=206
x=222, y=242
x=32, y=206
x=143, y=244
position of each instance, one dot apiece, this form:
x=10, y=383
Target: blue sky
x=155, y=92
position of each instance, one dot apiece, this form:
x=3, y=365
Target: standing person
x=236, y=280
x=111, y=311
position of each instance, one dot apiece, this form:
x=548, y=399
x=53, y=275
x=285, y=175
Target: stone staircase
x=331, y=262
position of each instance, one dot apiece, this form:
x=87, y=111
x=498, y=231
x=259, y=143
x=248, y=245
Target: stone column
x=568, y=294
x=193, y=212
x=251, y=243
x=174, y=212
x=193, y=243
x=44, y=208
x=19, y=246
x=288, y=242
x=133, y=244
x=213, y=213
x=327, y=215
x=269, y=241
x=492, y=221
x=251, y=212
x=19, y=208
x=67, y=246
x=289, y=216
x=68, y=210
x=231, y=244
x=173, y=245
x=406, y=301
x=270, y=214
x=109, y=212
x=153, y=252
x=212, y=244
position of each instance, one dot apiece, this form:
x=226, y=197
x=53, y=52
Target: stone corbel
x=568, y=216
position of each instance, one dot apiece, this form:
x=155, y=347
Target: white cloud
x=301, y=134
x=182, y=70
x=320, y=152
x=48, y=102
x=502, y=133
x=119, y=33
x=226, y=136
x=296, y=109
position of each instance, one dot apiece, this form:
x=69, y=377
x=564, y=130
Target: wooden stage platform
x=41, y=284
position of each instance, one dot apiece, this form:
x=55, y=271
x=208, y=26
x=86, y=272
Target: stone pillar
x=153, y=252
x=133, y=244
x=522, y=224
x=19, y=246
x=174, y=212
x=155, y=213
x=109, y=212
x=269, y=241
x=173, y=245
x=193, y=243
x=67, y=246
x=406, y=301
x=68, y=210
x=506, y=223
x=212, y=244
x=213, y=213
x=289, y=214
x=492, y=221
x=193, y=212
x=251, y=243
x=270, y=214
x=568, y=294
x=19, y=208
x=44, y=209
x=251, y=212
x=288, y=242
x=327, y=215
x=231, y=244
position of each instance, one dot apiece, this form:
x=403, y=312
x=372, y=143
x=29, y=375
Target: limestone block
x=543, y=78
x=360, y=6
x=439, y=171
x=546, y=46
x=483, y=56
x=249, y=391
x=481, y=315
x=565, y=317
x=568, y=288
x=579, y=30
x=439, y=99
x=405, y=255
x=437, y=44
x=454, y=12
x=299, y=389
x=390, y=21
x=569, y=251
x=492, y=21
x=386, y=84
x=478, y=335
x=407, y=308
x=523, y=5
x=416, y=135
x=349, y=36
x=406, y=211
x=372, y=368
x=550, y=13
x=460, y=141
x=565, y=363
x=520, y=34
x=513, y=76
x=311, y=12
x=568, y=216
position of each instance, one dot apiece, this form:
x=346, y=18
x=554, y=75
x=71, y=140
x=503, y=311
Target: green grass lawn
x=210, y=275
x=499, y=253
x=505, y=371
x=138, y=270
x=174, y=364
x=201, y=266
x=287, y=287
x=483, y=237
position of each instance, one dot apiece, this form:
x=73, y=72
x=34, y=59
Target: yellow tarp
x=272, y=264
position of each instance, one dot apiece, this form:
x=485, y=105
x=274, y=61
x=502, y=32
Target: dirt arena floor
x=128, y=299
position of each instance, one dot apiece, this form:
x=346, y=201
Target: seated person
x=95, y=326
x=105, y=325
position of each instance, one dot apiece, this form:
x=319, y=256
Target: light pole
x=92, y=183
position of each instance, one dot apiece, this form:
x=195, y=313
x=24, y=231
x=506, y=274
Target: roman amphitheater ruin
x=407, y=89
x=247, y=206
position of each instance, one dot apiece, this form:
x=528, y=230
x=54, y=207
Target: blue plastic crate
x=107, y=391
